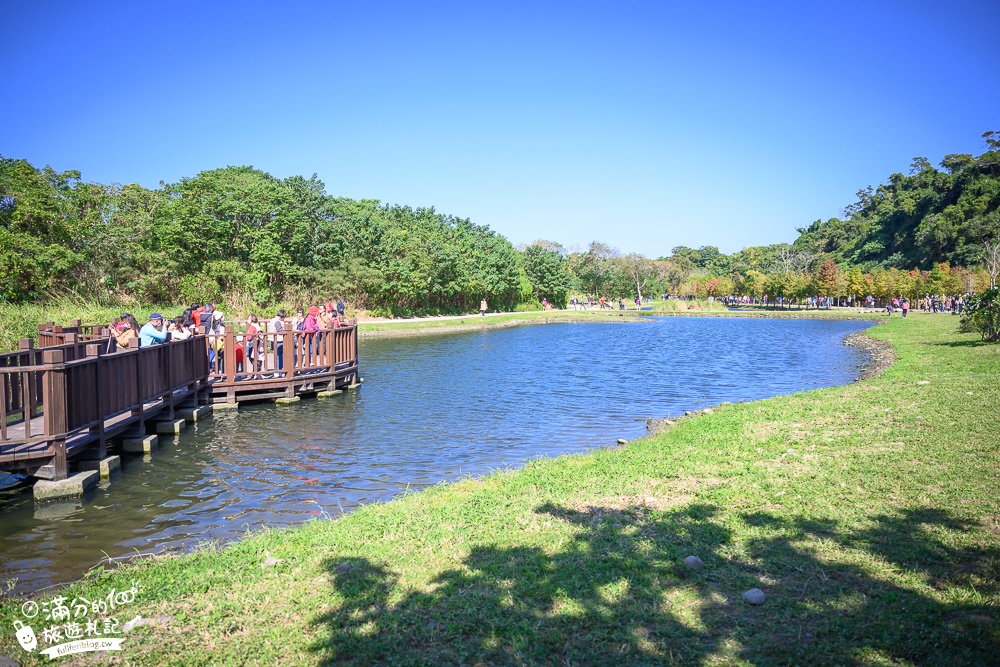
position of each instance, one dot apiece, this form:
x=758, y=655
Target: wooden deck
x=67, y=399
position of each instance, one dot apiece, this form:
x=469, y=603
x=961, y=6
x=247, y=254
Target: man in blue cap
x=153, y=331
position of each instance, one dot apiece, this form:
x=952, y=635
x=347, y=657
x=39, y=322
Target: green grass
x=869, y=514
x=475, y=321
x=22, y=320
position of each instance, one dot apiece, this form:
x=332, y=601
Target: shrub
x=982, y=315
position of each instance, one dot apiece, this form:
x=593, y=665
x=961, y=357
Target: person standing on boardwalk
x=126, y=331
x=153, y=331
x=310, y=326
x=482, y=307
x=277, y=325
x=206, y=317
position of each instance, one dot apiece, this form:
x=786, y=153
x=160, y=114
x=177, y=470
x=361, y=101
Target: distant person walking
x=482, y=307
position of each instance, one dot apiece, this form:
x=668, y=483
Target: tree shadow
x=962, y=343
x=618, y=593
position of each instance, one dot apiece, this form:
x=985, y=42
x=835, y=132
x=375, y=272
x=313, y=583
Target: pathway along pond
x=432, y=408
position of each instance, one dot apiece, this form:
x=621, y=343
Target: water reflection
x=431, y=409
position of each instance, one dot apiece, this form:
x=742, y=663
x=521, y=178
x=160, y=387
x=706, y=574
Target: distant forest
x=240, y=234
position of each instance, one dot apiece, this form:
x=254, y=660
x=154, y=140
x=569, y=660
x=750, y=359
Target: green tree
x=549, y=274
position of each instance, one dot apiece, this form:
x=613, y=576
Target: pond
x=432, y=408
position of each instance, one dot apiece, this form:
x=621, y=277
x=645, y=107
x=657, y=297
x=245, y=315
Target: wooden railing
x=240, y=360
x=50, y=395
x=51, y=335
x=20, y=388
x=281, y=352
x=267, y=361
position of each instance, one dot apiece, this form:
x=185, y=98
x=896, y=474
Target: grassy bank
x=868, y=514
x=416, y=326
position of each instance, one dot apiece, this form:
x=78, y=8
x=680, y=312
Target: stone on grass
x=136, y=622
x=8, y=662
x=754, y=596
x=694, y=563
x=622, y=441
x=924, y=382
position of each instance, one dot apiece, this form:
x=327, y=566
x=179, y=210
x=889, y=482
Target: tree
x=548, y=272
x=594, y=268
x=991, y=258
x=639, y=270
x=828, y=278
x=856, y=283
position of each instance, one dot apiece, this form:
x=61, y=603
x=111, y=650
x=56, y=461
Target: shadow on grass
x=963, y=343
x=617, y=593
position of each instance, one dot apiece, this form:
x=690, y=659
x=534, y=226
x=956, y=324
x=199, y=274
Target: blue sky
x=645, y=125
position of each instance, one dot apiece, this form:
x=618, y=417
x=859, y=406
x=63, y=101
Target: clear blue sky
x=646, y=125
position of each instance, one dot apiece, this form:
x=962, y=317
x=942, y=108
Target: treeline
x=241, y=234
x=241, y=231
x=920, y=220
x=933, y=231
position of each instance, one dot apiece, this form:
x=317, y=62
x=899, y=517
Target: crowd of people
x=313, y=322
x=930, y=303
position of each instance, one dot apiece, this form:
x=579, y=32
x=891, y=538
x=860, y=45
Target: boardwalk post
x=229, y=363
x=203, y=395
x=289, y=351
x=94, y=352
x=140, y=411
x=27, y=348
x=331, y=357
x=54, y=391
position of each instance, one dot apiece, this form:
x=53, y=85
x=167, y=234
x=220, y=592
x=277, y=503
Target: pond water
x=431, y=409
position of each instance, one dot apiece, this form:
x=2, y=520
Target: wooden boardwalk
x=267, y=366
x=65, y=400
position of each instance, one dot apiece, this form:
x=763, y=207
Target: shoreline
x=881, y=354
x=458, y=325
x=693, y=464
x=881, y=358
x=469, y=323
